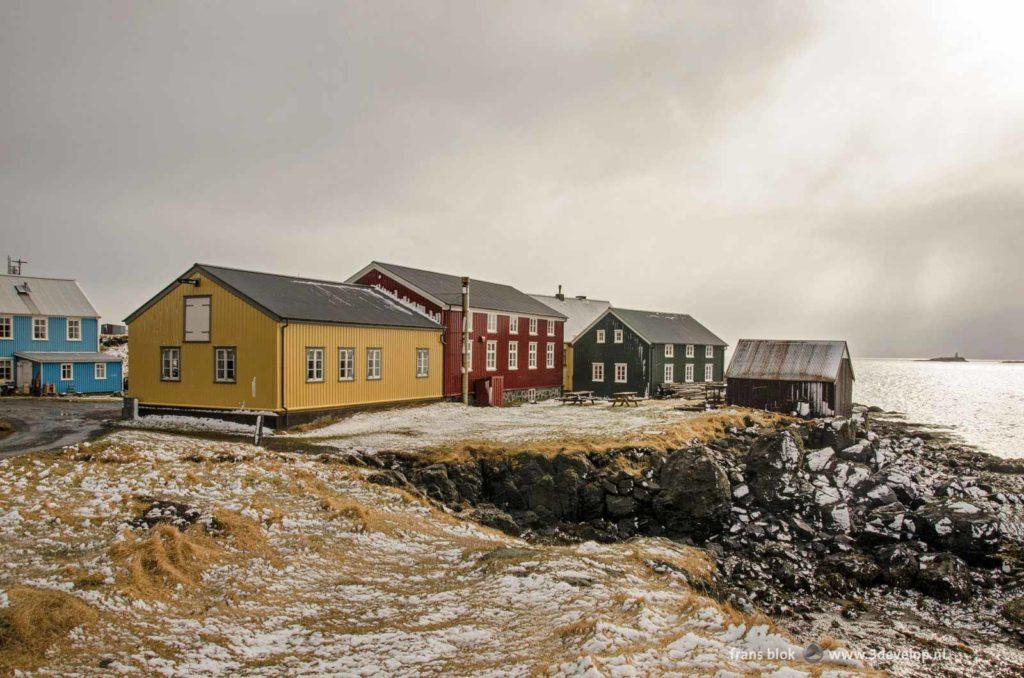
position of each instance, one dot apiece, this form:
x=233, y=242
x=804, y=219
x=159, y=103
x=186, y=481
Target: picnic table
x=625, y=398
x=578, y=397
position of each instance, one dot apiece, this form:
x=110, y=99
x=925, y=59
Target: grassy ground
x=297, y=565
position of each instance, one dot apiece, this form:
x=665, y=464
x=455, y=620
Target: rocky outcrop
x=694, y=495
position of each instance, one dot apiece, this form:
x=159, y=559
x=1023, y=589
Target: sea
x=982, y=401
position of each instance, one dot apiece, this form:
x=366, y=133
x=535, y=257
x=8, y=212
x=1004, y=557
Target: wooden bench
x=625, y=398
x=577, y=398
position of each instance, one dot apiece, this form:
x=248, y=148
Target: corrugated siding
x=399, y=381
x=567, y=368
x=83, y=377
x=56, y=337
x=233, y=322
x=787, y=360
x=782, y=396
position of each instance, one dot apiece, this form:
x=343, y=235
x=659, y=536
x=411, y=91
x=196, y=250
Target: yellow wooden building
x=230, y=343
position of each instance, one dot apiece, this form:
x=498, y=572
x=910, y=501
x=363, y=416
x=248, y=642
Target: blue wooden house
x=49, y=338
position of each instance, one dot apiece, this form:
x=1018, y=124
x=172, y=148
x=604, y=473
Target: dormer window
x=40, y=329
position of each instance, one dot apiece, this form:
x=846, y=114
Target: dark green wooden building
x=629, y=350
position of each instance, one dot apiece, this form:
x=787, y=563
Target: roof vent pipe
x=560, y=296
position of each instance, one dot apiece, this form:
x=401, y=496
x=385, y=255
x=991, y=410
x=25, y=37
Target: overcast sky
x=830, y=170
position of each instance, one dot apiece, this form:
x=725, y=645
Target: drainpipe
x=284, y=410
x=465, y=340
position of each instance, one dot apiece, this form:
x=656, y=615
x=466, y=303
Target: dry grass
x=34, y=620
x=163, y=559
x=108, y=452
x=246, y=533
x=695, y=563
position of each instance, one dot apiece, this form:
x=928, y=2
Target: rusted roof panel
x=787, y=360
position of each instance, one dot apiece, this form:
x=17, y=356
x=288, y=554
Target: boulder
x=821, y=461
x=773, y=463
x=856, y=567
x=887, y=524
x=898, y=565
x=944, y=577
x=1014, y=611
x=860, y=452
x=695, y=496
x=492, y=516
x=434, y=482
x=619, y=506
x=960, y=527
x=838, y=434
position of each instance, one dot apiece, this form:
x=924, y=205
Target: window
x=689, y=373
x=549, y=355
x=597, y=371
x=100, y=371
x=422, y=362
x=551, y=328
x=491, y=362
x=670, y=350
x=492, y=323
x=40, y=329
x=513, y=325
x=6, y=369
x=531, y=358
x=74, y=329
x=533, y=326
x=709, y=351
x=620, y=373
x=6, y=327
x=346, y=364
x=314, y=364
x=600, y=336
x=373, y=358
x=670, y=373
x=689, y=350
x=224, y=365
x=170, y=364
x=617, y=336
x=67, y=371
x=513, y=355
x=709, y=373
x=197, y=319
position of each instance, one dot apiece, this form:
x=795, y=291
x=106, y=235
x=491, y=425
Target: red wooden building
x=513, y=335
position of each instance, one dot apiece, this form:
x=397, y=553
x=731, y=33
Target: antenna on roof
x=14, y=266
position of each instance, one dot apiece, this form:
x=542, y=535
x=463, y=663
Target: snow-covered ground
x=314, y=571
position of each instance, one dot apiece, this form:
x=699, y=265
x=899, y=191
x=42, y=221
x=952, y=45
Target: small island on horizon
x=955, y=358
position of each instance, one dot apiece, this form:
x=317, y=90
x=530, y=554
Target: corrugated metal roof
x=293, y=298
x=44, y=296
x=787, y=360
x=482, y=294
x=77, y=357
x=667, y=328
x=579, y=313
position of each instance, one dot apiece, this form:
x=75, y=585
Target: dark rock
x=898, y=564
x=695, y=496
x=854, y=566
x=886, y=525
x=620, y=506
x=390, y=478
x=772, y=465
x=1014, y=611
x=861, y=452
x=433, y=480
x=801, y=529
x=169, y=512
x=838, y=434
x=961, y=527
x=492, y=516
x=944, y=577
x=591, y=501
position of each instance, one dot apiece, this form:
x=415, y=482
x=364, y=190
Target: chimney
x=560, y=296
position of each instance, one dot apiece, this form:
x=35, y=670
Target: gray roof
x=579, y=313
x=286, y=297
x=667, y=328
x=787, y=360
x=78, y=357
x=482, y=294
x=44, y=296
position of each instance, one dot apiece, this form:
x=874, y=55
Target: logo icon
x=813, y=653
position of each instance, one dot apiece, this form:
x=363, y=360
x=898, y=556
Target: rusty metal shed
x=779, y=374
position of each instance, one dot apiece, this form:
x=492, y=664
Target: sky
x=826, y=170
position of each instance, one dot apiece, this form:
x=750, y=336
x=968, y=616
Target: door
x=23, y=375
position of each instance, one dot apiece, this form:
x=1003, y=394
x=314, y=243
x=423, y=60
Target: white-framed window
x=531, y=395
x=74, y=329
x=492, y=323
x=600, y=337
x=670, y=350
x=617, y=336
x=533, y=326
x=513, y=324
x=373, y=363
x=689, y=350
x=314, y=364
x=689, y=373
x=100, y=371
x=6, y=369
x=531, y=358
x=513, y=355
x=67, y=371
x=491, y=357
x=170, y=363
x=709, y=372
x=40, y=329
x=620, y=373
x=422, y=363
x=670, y=373
x=197, y=319
x=597, y=371
x=549, y=355
x=709, y=351
x=346, y=364
x=6, y=327
x=551, y=327
x=224, y=365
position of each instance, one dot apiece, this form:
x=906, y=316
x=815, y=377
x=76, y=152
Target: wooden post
x=465, y=341
x=259, y=430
